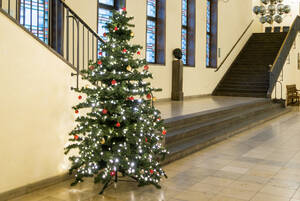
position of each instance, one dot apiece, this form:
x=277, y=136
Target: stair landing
x=177, y=109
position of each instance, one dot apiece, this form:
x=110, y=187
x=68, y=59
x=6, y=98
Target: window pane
x=184, y=45
x=151, y=8
x=184, y=12
x=150, y=51
x=103, y=18
x=208, y=16
x=34, y=16
x=207, y=50
x=107, y=2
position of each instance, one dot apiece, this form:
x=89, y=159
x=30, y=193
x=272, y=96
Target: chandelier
x=271, y=11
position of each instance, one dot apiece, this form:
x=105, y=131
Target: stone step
x=210, y=125
x=188, y=120
x=192, y=144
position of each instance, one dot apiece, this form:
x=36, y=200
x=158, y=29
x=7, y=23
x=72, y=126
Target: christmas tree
x=118, y=129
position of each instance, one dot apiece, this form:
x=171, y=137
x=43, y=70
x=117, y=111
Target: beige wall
x=36, y=100
x=35, y=108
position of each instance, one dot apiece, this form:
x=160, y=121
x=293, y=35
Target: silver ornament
x=262, y=10
x=278, y=19
x=287, y=9
x=256, y=10
x=280, y=8
x=269, y=19
x=265, y=1
x=262, y=19
x=271, y=8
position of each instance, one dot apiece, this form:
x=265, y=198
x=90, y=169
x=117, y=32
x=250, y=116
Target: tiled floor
x=262, y=164
x=194, y=105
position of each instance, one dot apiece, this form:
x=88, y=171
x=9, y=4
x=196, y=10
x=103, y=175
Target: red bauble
x=116, y=28
x=131, y=98
x=124, y=50
x=113, y=173
x=92, y=67
x=158, y=119
x=76, y=137
x=118, y=125
x=146, y=67
x=149, y=96
x=100, y=53
x=104, y=34
x=146, y=139
x=124, y=9
x=139, y=53
x=113, y=82
x=151, y=171
x=164, y=132
x=104, y=111
x=76, y=111
x=79, y=97
x=99, y=62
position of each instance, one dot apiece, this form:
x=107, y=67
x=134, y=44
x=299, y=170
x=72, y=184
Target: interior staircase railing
x=282, y=55
x=57, y=26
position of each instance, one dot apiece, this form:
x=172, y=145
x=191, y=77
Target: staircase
x=191, y=133
x=248, y=76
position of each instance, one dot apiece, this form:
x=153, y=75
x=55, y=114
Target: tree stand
x=115, y=181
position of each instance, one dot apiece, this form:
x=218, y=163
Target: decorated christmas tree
x=118, y=131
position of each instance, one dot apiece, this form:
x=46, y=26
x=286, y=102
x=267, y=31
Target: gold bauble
x=87, y=86
x=132, y=34
x=128, y=68
x=102, y=141
x=154, y=99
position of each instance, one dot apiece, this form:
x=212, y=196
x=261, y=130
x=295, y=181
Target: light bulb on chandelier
x=271, y=11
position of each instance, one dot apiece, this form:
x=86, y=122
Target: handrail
x=229, y=53
x=82, y=22
x=282, y=55
x=58, y=31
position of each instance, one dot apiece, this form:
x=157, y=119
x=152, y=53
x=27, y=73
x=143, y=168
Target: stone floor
x=261, y=164
x=193, y=105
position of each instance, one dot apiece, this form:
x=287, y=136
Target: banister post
x=269, y=93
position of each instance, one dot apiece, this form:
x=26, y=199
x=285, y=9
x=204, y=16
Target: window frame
x=160, y=32
x=118, y=4
x=213, y=34
x=190, y=32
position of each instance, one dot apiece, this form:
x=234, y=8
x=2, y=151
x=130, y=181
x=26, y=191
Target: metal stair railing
x=282, y=55
x=56, y=25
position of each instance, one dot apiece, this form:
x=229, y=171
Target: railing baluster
x=31, y=15
x=44, y=20
x=8, y=7
x=38, y=18
x=73, y=39
x=82, y=47
x=88, y=42
x=0, y=3
x=17, y=10
x=56, y=25
x=67, y=24
x=93, y=46
x=24, y=12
